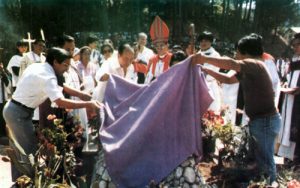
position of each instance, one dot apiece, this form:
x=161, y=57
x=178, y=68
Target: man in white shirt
x=143, y=54
x=35, y=56
x=19, y=110
x=121, y=66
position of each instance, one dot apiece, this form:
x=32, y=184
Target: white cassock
x=272, y=69
x=15, y=61
x=287, y=147
x=229, y=98
x=72, y=80
x=213, y=86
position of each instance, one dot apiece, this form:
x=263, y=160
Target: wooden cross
x=29, y=40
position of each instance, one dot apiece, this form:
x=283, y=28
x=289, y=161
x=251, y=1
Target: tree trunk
x=249, y=11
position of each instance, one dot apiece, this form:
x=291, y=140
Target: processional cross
x=29, y=40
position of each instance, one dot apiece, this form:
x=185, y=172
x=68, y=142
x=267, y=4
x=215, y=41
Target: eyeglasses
x=159, y=45
x=106, y=51
x=66, y=64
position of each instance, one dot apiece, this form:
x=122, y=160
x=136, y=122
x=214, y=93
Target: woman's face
x=85, y=56
x=107, y=52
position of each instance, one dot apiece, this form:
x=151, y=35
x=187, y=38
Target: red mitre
x=159, y=31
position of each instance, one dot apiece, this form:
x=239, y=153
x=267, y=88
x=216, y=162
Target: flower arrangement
x=216, y=129
x=56, y=162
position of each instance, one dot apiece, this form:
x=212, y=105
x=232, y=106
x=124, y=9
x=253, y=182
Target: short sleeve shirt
x=37, y=83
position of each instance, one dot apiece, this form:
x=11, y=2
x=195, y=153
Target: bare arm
x=221, y=77
x=221, y=62
x=73, y=92
x=72, y=104
x=105, y=77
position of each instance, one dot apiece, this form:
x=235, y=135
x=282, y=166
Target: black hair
x=297, y=36
x=206, y=35
x=91, y=39
x=63, y=39
x=21, y=43
x=123, y=47
x=178, y=56
x=83, y=49
x=251, y=45
x=58, y=54
x=39, y=40
x=106, y=45
x=177, y=47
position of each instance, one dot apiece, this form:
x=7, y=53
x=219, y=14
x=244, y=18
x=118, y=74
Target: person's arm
x=221, y=77
x=72, y=104
x=221, y=62
x=4, y=75
x=105, y=77
x=76, y=93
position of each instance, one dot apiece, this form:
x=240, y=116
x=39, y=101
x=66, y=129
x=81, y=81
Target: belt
x=21, y=105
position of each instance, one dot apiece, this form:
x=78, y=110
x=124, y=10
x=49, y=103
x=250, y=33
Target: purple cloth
x=150, y=129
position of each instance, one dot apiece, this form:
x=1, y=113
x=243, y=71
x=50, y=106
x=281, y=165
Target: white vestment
x=214, y=88
x=287, y=147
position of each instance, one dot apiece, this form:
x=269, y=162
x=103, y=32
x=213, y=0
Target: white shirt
x=38, y=83
x=145, y=55
x=15, y=61
x=111, y=66
x=72, y=77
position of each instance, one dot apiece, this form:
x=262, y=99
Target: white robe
x=214, y=88
x=72, y=80
x=229, y=98
x=287, y=147
x=272, y=69
x=15, y=61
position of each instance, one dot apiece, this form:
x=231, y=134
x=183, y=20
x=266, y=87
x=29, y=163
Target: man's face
x=161, y=48
x=296, y=46
x=205, y=44
x=126, y=58
x=93, y=45
x=61, y=68
x=69, y=46
x=142, y=40
x=39, y=47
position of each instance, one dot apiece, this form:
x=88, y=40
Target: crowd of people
x=259, y=90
